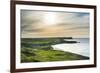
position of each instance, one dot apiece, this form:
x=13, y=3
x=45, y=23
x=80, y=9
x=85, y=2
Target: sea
x=82, y=47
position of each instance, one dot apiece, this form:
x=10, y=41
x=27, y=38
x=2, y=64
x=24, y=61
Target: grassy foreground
x=40, y=50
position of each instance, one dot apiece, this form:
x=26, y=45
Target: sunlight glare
x=50, y=19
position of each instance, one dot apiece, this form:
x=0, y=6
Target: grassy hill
x=40, y=50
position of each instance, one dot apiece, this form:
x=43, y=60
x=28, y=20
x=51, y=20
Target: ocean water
x=81, y=48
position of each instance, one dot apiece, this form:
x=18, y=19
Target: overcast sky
x=54, y=24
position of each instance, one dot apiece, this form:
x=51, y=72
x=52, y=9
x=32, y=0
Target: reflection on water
x=81, y=48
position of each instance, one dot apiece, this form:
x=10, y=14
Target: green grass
x=45, y=53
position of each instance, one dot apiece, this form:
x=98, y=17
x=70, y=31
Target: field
x=40, y=50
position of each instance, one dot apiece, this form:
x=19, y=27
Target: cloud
x=66, y=24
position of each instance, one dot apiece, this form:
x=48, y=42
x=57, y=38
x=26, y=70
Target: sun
x=50, y=18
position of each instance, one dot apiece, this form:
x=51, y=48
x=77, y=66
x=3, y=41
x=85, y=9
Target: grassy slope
x=45, y=53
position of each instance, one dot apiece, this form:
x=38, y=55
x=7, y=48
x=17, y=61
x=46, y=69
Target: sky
x=54, y=24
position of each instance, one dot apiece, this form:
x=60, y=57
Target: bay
x=82, y=47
